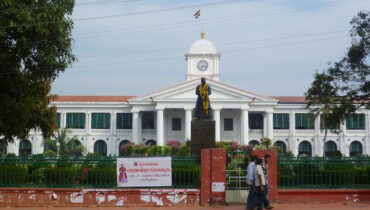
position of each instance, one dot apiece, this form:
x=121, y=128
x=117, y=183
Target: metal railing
x=83, y=172
x=236, y=170
x=318, y=172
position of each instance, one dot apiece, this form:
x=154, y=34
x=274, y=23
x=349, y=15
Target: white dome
x=202, y=46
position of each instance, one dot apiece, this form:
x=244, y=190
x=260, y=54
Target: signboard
x=218, y=186
x=144, y=172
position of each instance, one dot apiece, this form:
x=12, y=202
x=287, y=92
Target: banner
x=144, y=172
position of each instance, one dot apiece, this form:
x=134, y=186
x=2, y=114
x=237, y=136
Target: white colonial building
x=103, y=123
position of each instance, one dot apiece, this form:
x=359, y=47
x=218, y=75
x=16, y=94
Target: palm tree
x=61, y=144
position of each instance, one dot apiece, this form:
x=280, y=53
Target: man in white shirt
x=259, y=181
x=250, y=181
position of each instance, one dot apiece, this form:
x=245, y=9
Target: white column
x=343, y=141
x=264, y=124
x=318, y=146
x=188, y=118
x=270, y=124
x=367, y=136
x=62, y=119
x=135, y=126
x=292, y=141
x=244, y=121
x=88, y=122
x=160, y=127
x=217, y=119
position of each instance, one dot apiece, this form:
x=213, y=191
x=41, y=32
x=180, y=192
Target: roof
x=92, y=98
x=290, y=99
x=281, y=99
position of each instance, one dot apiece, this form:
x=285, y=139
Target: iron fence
x=83, y=172
x=318, y=172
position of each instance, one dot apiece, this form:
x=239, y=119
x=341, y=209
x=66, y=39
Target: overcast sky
x=270, y=47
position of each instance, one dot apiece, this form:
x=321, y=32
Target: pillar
x=270, y=124
x=160, y=127
x=292, y=141
x=244, y=125
x=318, y=146
x=135, y=126
x=216, y=117
x=188, y=118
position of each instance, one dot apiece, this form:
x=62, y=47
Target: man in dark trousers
x=265, y=167
x=250, y=181
x=259, y=182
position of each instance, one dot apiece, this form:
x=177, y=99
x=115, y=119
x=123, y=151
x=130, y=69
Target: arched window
x=355, y=148
x=100, y=147
x=75, y=144
x=3, y=148
x=151, y=142
x=330, y=147
x=25, y=147
x=305, y=148
x=121, y=146
x=254, y=143
x=282, y=145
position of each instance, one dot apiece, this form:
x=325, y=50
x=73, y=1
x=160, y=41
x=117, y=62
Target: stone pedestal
x=202, y=135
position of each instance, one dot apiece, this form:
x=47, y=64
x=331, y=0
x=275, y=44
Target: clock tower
x=203, y=60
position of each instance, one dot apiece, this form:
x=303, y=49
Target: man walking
x=259, y=184
x=250, y=181
x=265, y=167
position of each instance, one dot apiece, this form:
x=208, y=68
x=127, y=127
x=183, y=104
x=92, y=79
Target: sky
x=269, y=47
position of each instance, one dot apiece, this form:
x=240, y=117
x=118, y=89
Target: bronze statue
x=203, y=106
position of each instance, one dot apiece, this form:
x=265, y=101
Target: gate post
x=273, y=172
x=213, y=176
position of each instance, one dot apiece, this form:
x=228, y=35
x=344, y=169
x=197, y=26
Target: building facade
x=104, y=123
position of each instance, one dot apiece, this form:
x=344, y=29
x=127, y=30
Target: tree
x=62, y=145
x=35, y=46
x=345, y=86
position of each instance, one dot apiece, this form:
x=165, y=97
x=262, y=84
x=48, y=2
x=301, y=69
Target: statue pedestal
x=202, y=135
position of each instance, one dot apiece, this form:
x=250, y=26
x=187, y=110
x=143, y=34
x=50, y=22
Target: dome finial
x=202, y=34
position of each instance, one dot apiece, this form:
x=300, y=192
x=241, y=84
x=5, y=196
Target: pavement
x=331, y=206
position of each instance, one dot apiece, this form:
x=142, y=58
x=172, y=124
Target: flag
x=197, y=14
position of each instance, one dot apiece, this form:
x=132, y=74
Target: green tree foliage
x=35, y=46
x=345, y=86
x=61, y=144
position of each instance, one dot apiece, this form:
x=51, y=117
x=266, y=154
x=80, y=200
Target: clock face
x=202, y=65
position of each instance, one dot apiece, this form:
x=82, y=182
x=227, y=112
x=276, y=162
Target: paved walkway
x=333, y=206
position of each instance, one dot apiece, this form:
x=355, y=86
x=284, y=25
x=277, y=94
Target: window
x=76, y=120
x=324, y=126
x=282, y=146
x=255, y=121
x=3, y=149
x=100, y=147
x=355, y=149
x=122, y=147
x=330, y=147
x=304, y=121
x=58, y=120
x=254, y=143
x=75, y=144
x=100, y=121
x=25, y=147
x=228, y=124
x=281, y=121
x=176, y=124
x=124, y=121
x=147, y=120
x=355, y=122
x=305, y=148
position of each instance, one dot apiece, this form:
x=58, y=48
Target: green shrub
x=60, y=176
x=106, y=176
x=185, y=173
x=13, y=175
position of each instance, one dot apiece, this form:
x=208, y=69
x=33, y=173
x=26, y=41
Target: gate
x=236, y=177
